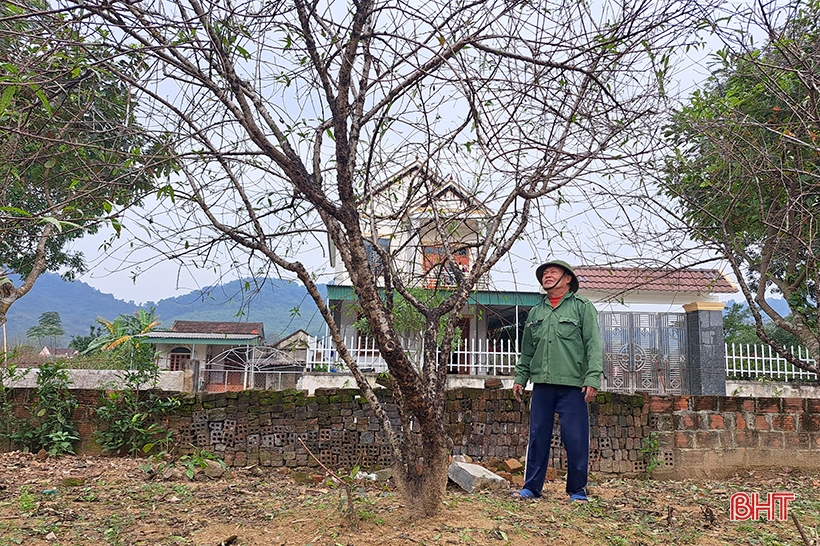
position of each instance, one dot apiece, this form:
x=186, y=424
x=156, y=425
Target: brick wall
x=698, y=435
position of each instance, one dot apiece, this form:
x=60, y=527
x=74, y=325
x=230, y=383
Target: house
x=296, y=345
x=644, y=289
x=409, y=212
x=213, y=355
x=642, y=315
x=65, y=353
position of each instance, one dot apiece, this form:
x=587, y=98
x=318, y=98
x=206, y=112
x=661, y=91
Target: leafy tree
x=739, y=328
x=293, y=117
x=781, y=337
x=738, y=325
x=72, y=154
x=745, y=172
x=81, y=343
x=49, y=326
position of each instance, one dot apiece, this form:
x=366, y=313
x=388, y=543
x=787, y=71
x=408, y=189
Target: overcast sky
x=140, y=276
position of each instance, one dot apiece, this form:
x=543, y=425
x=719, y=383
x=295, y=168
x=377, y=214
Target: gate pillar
x=706, y=351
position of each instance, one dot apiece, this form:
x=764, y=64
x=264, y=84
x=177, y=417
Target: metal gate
x=644, y=352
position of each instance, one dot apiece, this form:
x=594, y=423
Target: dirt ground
x=96, y=500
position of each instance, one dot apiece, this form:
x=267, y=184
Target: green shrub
x=50, y=424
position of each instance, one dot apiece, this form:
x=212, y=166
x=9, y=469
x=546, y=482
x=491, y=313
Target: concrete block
x=473, y=477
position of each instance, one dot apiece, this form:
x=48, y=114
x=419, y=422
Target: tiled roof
x=204, y=327
x=654, y=280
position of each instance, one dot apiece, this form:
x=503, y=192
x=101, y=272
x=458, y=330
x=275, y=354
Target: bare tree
x=291, y=119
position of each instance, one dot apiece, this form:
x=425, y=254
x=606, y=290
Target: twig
x=669, y=516
x=800, y=529
x=708, y=514
x=348, y=491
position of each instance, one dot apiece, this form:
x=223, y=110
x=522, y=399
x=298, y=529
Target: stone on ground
x=512, y=465
x=473, y=477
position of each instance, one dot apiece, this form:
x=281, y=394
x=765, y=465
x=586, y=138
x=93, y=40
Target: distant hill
x=271, y=302
x=778, y=304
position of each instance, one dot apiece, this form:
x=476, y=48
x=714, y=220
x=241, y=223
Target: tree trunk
x=422, y=483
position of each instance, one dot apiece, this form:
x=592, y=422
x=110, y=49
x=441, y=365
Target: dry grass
x=87, y=500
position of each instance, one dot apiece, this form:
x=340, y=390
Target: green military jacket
x=561, y=345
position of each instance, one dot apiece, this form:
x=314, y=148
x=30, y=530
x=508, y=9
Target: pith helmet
x=573, y=284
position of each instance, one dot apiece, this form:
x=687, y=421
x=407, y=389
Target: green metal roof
x=480, y=297
x=183, y=338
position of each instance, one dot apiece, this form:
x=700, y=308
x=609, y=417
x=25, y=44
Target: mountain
x=778, y=304
x=270, y=301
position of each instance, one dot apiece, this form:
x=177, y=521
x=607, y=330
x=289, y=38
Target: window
x=373, y=257
x=178, y=358
x=439, y=268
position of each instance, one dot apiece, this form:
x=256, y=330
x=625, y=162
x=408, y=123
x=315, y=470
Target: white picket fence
x=471, y=357
x=761, y=361
x=494, y=357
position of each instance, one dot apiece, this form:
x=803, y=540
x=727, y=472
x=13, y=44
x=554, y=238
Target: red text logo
x=744, y=506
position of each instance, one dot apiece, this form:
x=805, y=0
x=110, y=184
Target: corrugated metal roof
x=212, y=339
x=481, y=297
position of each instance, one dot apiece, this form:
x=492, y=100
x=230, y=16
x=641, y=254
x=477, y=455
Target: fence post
x=705, y=349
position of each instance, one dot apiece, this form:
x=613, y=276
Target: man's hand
x=589, y=393
x=518, y=390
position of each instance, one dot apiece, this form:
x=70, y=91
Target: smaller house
x=641, y=289
x=296, y=345
x=209, y=352
x=66, y=353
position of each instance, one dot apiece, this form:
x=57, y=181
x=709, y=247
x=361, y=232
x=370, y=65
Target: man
x=561, y=355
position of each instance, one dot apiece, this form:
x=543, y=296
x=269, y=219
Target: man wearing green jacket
x=561, y=355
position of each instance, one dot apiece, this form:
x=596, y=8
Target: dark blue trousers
x=573, y=416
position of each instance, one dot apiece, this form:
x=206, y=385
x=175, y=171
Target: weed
x=9, y=373
x=26, y=502
x=190, y=461
x=617, y=541
x=151, y=490
x=197, y=459
x=112, y=529
x=182, y=490
x=88, y=494
x=367, y=515
x=465, y=536
x=651, y=448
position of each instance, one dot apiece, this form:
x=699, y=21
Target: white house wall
x=409, y=231
x=164, y=350
x=645, y=302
